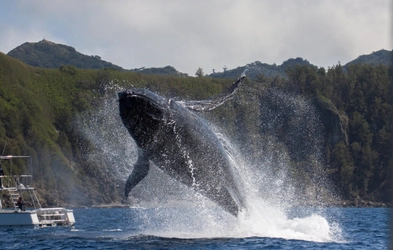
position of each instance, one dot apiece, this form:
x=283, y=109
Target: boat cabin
x=19, y=205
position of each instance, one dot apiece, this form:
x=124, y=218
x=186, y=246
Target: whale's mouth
x=140, y=105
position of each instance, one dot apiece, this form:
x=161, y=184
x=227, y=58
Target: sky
x=210, y=34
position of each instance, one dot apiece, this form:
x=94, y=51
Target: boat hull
x=43, y=217
x=11, y=218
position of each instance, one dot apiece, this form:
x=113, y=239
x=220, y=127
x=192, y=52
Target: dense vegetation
x=257, y=68
x=360, y=164
x=382, y=56
x=47, y=54
x=167, y=70
x=38, y=107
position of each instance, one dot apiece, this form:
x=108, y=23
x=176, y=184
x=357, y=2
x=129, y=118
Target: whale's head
x=142, y=112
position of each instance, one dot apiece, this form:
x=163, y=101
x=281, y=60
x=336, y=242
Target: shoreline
x=359, y=203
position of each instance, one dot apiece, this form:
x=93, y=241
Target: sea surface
x=181, y=228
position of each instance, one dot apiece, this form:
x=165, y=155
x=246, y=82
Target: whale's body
x=180, y=143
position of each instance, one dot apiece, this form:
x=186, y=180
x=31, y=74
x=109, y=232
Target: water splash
x=169, y=209
x=269, y=215
x=110, y=144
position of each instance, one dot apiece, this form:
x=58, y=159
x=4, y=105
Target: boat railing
x=17, y=181
x=20, y=186
x=54, y=216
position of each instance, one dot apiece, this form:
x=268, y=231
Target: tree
x=199, y=72
x=341, y=159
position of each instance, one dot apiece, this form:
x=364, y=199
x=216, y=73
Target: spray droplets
x=267, y=181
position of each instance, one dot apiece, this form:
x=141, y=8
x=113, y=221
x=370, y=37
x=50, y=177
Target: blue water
x=177, y=228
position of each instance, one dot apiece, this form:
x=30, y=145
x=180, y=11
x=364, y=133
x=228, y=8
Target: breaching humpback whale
x=180, y=143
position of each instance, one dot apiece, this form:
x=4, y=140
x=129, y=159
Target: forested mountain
x=361, y=162
x=47, y=54
x=256, y=69
x=43, y=110
x=167, y=70
x=383, y=56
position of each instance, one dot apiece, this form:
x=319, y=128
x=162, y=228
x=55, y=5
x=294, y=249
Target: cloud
x=207, y=34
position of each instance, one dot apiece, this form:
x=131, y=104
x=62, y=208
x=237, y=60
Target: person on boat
x=20, y=203
x=1, y=174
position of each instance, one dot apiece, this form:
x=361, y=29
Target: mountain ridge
x=48, y=54
x=382, y=56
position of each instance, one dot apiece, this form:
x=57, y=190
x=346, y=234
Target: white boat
x=14, y=186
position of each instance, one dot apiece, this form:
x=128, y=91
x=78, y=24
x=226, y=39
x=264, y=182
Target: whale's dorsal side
x=210, y=104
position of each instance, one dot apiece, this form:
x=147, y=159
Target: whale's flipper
x=207, y=105
x=141, y=169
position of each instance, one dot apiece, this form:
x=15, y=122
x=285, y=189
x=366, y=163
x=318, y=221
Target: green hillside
x=342, y=119
x=47, y=54
x=256, y=69
x=38, y=108
x=382, y=56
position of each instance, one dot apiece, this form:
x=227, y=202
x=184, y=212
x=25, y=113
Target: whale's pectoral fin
x=207, y=105
x=141, y=169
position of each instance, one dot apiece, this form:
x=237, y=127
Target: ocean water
x=180, y=228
